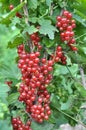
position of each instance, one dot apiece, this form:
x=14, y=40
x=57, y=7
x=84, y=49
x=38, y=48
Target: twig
x=83, y=77
x=28, y=115
x=51, y=10
x=82, y=73
x=25, y=9
x=26, y=14
x=80, y=99
x=73, y=77
x=55, y=7
x=44, y=14
x=80, y=36
x=50, y=13
x=68, y=116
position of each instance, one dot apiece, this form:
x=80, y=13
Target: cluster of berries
x=59, y=56
x=19, y=125
x=36, y=75
x=35, y=40
x=66, y=24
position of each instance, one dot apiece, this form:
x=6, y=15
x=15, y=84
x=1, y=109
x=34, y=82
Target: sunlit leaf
x=47, y=28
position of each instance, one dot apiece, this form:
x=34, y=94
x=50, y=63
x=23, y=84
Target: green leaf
x=31, y=29
x=8, y=16
x=15, y=21
x=18, y=40
x=48, y=2
x=82, y=51
x=60, y=121
x=49, y=43
x=46, y=28
x=43, y=126
x=4, y=5
x=33, y=19
x=52, y=119
x=4, y=33
x=59, y=69
x=81, y=89
x=14, y=3
x=63, y=70
x=4, y=125
x=3, y=90
x=57, y=117
x=80, y=19
x=54, y=100
x=77, y=58
x=68, y=104
x=19, y=104
x=33, y=4
x=80, y=14
x=10, y=72
x=12, y=98
x=80, y=5
x=13, y=32
x=7, y=34
x=73, y=69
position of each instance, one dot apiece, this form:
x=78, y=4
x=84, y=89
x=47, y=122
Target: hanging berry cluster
x=18, y=124
x=59, y=56
x=66, y=24
x=36, y=39
x=36, y=75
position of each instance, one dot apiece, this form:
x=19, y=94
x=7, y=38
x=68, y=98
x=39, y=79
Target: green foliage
x=4, y=91
x=48, y=2
x=12, y=98
x=33, y=4
x=12, y=13
x=30, y=29
x=8, y=34
x=5, y=125
x=43, y=126
x=46, y=28
x=17, y=41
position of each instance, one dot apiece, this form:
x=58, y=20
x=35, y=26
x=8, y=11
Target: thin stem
x=72, y=76
x=83, y=77
x=80, y=99
x=80, y=36
x=51, y=10
x=28, y=115
x=82, y=73
x=44, y=14
x=26, y=14
x=69, y=72
x=55, y=7
x=69, y=116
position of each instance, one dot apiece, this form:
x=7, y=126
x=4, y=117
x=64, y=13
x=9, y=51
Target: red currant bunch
x=36, y=75
x=39, y=113
x=36, y=39
x=59, y=56
x=18, y=124
x=66, y=24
